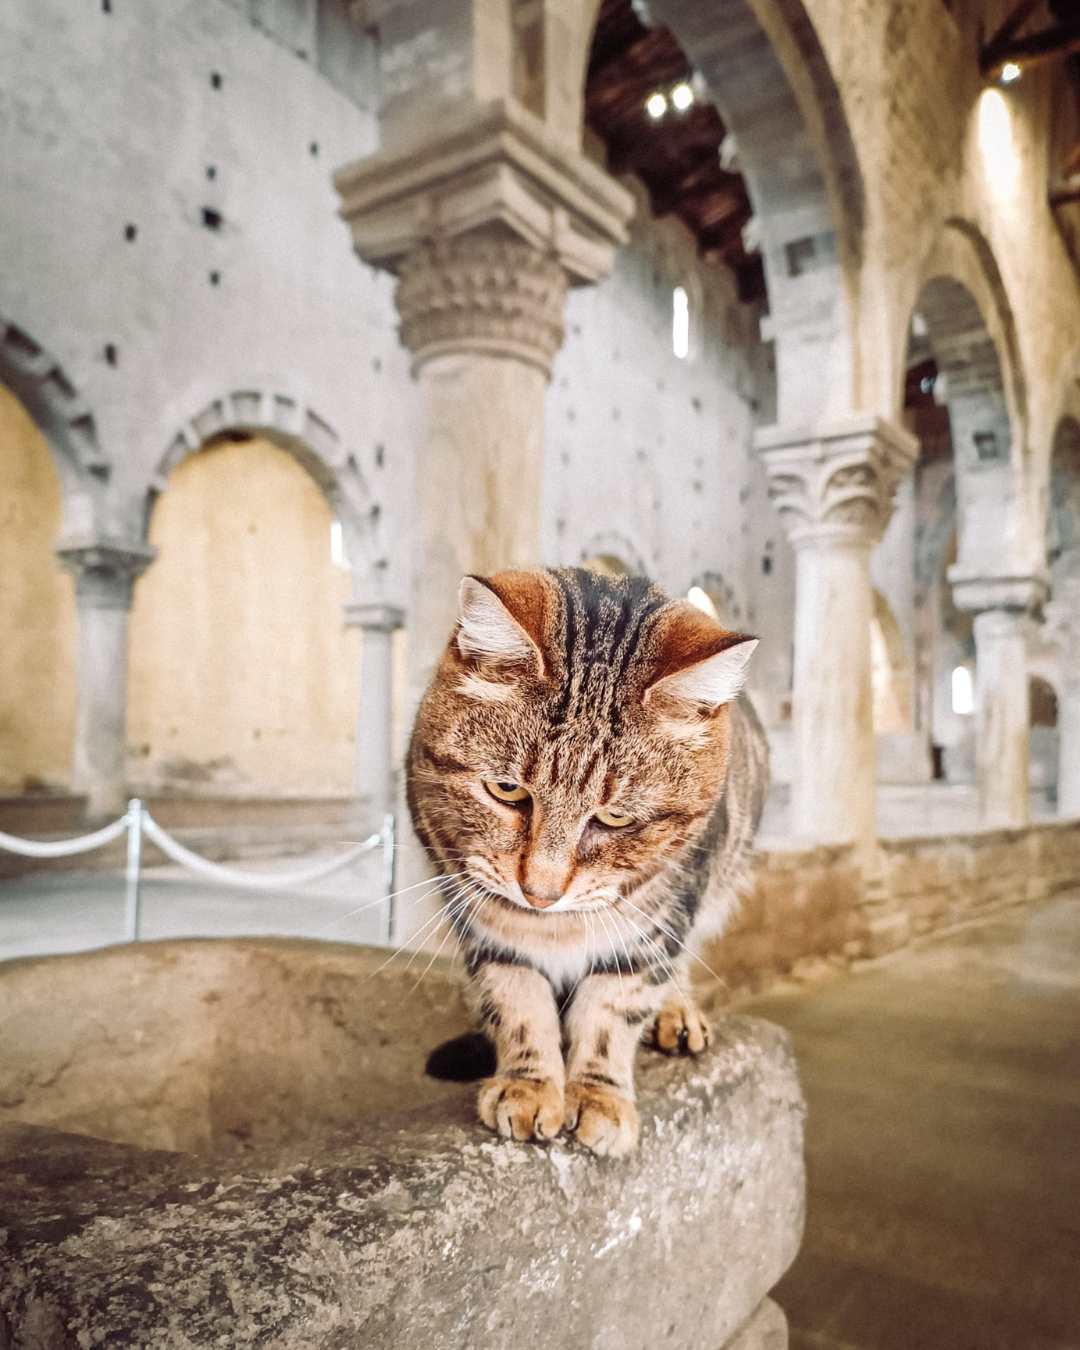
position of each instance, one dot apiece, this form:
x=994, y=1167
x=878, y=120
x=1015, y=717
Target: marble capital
x=977, y=593
x=835, y=482
x=376, y=616
x=105, y=570
x=485, y=221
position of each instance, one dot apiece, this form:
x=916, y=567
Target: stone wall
x=805, y=915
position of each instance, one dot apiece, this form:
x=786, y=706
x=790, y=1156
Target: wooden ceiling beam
x=1034, y=50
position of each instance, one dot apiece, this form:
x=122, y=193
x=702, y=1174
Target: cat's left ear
x=697, y=661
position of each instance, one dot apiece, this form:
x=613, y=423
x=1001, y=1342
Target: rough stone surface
x=767, y=1329
x=369, y=1208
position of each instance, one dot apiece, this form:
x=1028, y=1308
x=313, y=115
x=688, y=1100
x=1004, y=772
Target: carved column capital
x=105, y=570
x=977, y=593
x=486, y=221
x=482, y=292
x=836, y=482
x=379, y=617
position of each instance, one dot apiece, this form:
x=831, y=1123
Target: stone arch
x=768, y=75
x=961, y=295
x=959, y=314
x=45, y=389
x=613, y=553
x=1063, y=505
x=289, y=422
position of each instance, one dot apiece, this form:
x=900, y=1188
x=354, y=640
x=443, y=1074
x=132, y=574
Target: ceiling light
x=1010, y=73
x=656, y=105
x=682, y=96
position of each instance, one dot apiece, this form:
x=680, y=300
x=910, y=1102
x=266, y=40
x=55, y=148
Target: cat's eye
x=513, y=793
x=614, y=820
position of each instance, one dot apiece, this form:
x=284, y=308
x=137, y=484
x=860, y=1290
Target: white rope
x=62, y=848
x=257, y=881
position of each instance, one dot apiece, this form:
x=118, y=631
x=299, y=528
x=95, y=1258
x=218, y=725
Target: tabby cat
x=580, y=772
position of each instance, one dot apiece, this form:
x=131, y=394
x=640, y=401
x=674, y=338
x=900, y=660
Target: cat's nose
x=541, y=899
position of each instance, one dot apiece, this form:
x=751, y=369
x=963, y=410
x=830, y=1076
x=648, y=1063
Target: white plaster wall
x=111, y=119
x=644, y=448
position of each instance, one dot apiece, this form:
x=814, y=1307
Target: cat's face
x=574, y=738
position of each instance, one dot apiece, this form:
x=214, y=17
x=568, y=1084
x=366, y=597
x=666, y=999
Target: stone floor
x=51, y=912
x=943, y=1144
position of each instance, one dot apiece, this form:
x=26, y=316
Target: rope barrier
x=62, y=848
x=137, y=822
x=256, y=881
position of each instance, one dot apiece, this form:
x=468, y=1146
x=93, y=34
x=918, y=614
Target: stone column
x=1002, y=607
x=485, y=220
x=105, y=574
x=1068, y=598
x=833, y=486
x=375, y=712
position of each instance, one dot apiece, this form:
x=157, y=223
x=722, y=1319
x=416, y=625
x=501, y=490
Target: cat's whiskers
x=472, y=899
x=607, y=933
x=433, y=882
x=650, y=918
x=655, y=953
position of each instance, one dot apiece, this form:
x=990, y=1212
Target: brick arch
x=1063, y=506
x=287, y=421
x=39, y=381
x=768, y=75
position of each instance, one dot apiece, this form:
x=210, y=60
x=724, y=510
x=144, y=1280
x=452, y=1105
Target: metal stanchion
x=132, y=908
x=388, y=876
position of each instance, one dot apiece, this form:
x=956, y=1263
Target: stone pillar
x=833, y=486
x=104, y=574
x=1069, y=705
x=485, y=220
x=1002, y=607
x=375, y=712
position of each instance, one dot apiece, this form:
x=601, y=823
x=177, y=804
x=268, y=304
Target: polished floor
x=943, y=1144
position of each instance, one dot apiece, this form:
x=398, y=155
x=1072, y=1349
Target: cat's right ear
x=488, y=633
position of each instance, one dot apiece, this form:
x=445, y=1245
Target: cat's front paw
x=521, y=1108
x=680, y=1029
x=600, y=1118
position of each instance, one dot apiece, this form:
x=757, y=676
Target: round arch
x=769, y=78
x=961, y=296
x=613, y=553
x=41, y=384
x=286, y=420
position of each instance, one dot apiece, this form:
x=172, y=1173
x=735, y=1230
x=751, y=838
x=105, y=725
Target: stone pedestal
x=1002, y=607
x=833, y=486
x=485, y=220
x=105, y=573
x=374, y=779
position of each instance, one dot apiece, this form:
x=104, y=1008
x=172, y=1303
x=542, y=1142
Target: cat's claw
x=521, y=1108
x=680, y=1029
x=603, y=1120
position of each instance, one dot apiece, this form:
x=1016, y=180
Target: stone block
x=329, y=1195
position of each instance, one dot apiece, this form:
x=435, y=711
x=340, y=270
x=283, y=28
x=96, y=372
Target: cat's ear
x=501, y=620
x=697, y=661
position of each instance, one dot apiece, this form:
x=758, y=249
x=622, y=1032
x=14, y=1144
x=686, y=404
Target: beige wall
x=243, y=677
x=37, y=613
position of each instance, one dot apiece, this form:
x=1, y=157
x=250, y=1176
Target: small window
x=337, y=546
x=680, y=323
x=963, y=691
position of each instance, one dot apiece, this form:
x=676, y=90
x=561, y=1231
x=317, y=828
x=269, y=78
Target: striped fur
x=587, y=696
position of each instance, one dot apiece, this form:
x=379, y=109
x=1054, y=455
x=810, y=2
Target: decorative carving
x=837, y=482
x=482, y=292
x=105, y=571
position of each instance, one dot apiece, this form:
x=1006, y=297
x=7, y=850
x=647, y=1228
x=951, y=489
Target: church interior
x=309, y=308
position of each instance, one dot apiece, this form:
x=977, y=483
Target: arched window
x=680, y=323
x=963, y=691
